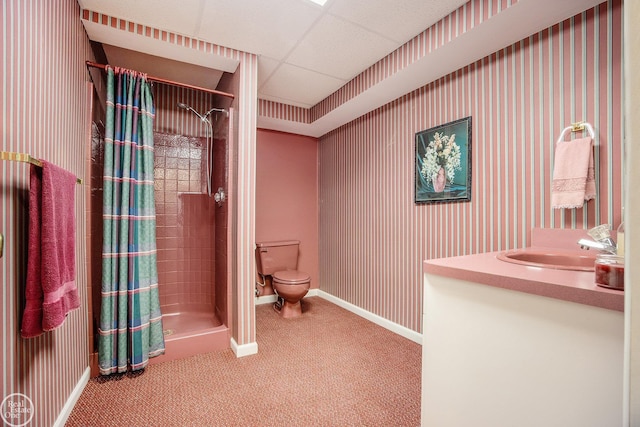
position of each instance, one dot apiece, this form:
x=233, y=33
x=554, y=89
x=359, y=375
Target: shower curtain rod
x=171, y=82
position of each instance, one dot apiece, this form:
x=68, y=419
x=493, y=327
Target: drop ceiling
x=306, y=51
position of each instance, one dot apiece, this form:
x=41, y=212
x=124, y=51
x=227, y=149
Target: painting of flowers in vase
x=443, y=163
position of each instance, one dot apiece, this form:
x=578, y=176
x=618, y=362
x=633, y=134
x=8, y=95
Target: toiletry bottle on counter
x=620, y=237
x=609, y=270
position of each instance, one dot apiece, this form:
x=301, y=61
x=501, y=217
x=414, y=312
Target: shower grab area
x=191, y=158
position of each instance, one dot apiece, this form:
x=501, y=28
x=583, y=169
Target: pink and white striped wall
x=464, y=19
x=244, y=178
x=158, y=34
x=44, y=112
x=281, y=111
x=526, y=66
x=373, y=238
x=173, y=120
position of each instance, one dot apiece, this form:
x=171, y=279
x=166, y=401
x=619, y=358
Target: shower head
x=202, y=117
x=189, y=108
x=217, y=110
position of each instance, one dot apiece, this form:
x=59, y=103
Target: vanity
x=506, y=344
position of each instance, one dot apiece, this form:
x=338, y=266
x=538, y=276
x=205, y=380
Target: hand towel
x=573, y=174
x=51, y=290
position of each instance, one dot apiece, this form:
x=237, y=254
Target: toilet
x=278, y=261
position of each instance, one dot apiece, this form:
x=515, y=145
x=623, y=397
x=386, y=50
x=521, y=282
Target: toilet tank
x=277, y=256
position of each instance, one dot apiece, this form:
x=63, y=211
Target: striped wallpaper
x=244, y=199
x=514, y=85
x=373, y=238
x=44, y=112
x=460, y=21
x=173, y=120
x=278, y=110
x=158, y=34
x=590, y=36
x=455, y=24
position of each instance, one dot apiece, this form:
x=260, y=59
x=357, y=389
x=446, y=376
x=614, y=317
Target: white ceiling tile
x=269, y=28
x=161, y=14
x=266, y=66
x=297, y=86
x=399, y=20
x=339, y=49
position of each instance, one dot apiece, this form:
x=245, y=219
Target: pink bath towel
x=51, y=290
x=573, y=174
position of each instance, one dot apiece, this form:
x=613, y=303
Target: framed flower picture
x=443, y=163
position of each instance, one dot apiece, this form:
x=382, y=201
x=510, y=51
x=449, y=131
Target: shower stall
x=192, y=137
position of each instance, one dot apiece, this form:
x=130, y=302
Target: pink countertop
x=567, y=285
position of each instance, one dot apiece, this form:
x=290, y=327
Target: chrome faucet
x=601, y=246
x=602, y=240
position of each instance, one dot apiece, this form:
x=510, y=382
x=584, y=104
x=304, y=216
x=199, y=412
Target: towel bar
x=25, y=158
x=578, y=127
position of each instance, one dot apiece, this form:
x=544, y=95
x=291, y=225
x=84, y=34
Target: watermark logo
x=16, y=410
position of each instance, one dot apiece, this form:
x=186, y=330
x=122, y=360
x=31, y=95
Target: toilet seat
x=291, y=277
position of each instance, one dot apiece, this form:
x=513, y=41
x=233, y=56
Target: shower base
x=191, y=331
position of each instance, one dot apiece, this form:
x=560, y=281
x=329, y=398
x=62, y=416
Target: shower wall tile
x=185, y=224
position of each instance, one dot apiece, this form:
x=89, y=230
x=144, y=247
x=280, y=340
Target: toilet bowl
x=291, y=286
x=277, y=262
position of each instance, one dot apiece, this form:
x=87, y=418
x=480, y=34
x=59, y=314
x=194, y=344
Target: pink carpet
x=328, y=368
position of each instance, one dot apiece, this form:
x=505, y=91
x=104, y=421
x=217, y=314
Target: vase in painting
x=439, y=180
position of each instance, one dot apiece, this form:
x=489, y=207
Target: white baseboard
x=381, y=321
x=244, y=349
x=267, y=299
x=73, y=398
x=378, y=320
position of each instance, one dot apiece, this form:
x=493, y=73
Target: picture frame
x=443, y=163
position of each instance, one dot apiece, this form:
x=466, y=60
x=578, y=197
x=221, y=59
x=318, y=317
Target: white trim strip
x=73, y=399
x=381, y=321
x=244, y=349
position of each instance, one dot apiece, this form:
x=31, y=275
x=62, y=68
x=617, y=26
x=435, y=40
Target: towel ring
x=577, y=127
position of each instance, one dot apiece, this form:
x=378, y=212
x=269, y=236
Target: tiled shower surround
x=185, y=230
x=191, y=228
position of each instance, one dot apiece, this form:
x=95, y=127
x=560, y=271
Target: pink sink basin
x=549, y=258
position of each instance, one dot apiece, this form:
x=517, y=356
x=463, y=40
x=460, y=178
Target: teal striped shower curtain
x=130, y=330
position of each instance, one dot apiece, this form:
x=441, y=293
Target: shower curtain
x=130, y=330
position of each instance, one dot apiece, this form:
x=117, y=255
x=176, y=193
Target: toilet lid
x=291, y=277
